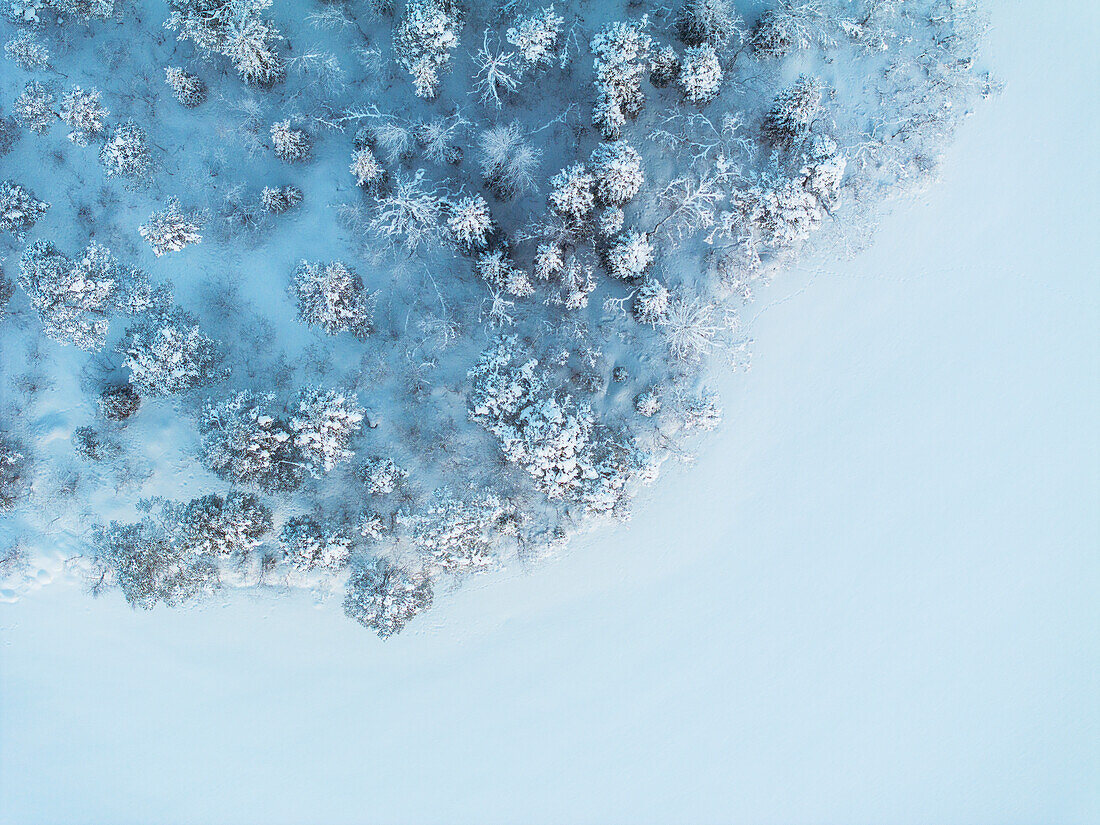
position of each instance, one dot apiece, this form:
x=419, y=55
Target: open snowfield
x=872, y=600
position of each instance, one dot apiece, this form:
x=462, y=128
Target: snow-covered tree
x=382, y=476
x=148, y=566
x=508, y=160
x=610, y=221
x=82, y=112
x=385, y=597
x=424, y=40
x=221, y=527
x=469, y=223
x=792, y=25
x=498, y=270
x=167, y=353
x=291, y=145
x=170, y=229
x=647, y=403
x=331, y=295
x=572, y=194
x=280, y=199
x=410, y=213
x=535, y=36
x=651, y=302
x=577, y=283
x=701, y=412
x=119, y=402
x=7, y=289
x=309, y=546
x=34, y=107
x=74, y=299
x=19, y=209
x=497, y=73
x=622, y=56
x=189, y=89
x=630, y=256
x=245, y=443
x=13, y=472
x=366, y=168
x=823, y=170
x=458, y=533
x=714, y=22
x=549, y=261
x=617, y=168
x=126, y=152
x=235, y=29
x=700, y=74
x=323, y=423
x=791, y=116
x=27, y=51
x=438, y=138
x=665, y=67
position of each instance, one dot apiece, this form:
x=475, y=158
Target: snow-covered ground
x=873, y=599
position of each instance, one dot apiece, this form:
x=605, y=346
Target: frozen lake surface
x=874, y=598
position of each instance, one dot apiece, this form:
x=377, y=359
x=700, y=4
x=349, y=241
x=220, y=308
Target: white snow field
x=872, y=600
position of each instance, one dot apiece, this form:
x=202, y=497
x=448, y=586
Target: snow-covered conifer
x=385, y=597
x=617, y=168
x=665, y=67
x=458, y=533
x=27, y=52
x=622, y=57
x=791, y=25
x=119, y=402
x=34, y=107
x=647, y=403
x=549, y=261
x=219, y=527
x=508, y=160
x=610, y=221
x=700, y=74
x=280, y=199
x=309, y=546
x=291, y=145
x=792, y=115
x=245, y=443
x=74, y=300
x=19, y=209
x=497, y=270
x=469, y=223
x=170, y=229
x=167, y=353
x=366, y=168
x=424, y=40
x=630, y=256
x=234, y=29
x=577, y=283
x=651, y=302
x=823, y=170
x=382, y=476
x=126, y=152
x=572, y=194
x=331, y=295
x=324, y=422
x=535, y=36
x=189, y=89
x=714, y=22
x=83, y=113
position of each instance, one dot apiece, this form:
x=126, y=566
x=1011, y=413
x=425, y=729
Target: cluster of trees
x=608, y=253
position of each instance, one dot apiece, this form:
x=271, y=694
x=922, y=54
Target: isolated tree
x=535, y=36
x=291, y=145
x=170, y=229
x=34, y=107
x=189, y=89
x=382, y=476
x=27, y=52
x=630, y=256
x=366, y=168
x=331, y=295
x=118, y=403
x=651, y=302
x=126, y=152
x=385, y=597
x=280, y=199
